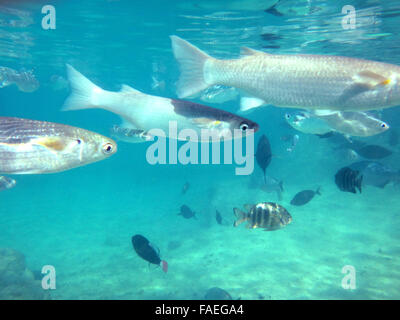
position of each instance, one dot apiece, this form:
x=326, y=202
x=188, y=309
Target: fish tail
x=164, y=266
x=240, y=215
x=191, y=63
x=84, y=93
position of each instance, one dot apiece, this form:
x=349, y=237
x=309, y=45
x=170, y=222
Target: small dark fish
x=271, y=46
x=348, y=180
x=6, y=183
x=144, y=250
x=270, y=36
x=373, y=152
x=263, y=154
x=376, y=174
x=186, y=212
x=267, y=215
x=218, y=217
x=185, y=187
x=303, y=197
x=217, y=294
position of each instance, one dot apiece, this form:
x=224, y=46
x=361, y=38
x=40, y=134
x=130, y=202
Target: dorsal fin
x=245, y=51
x=127, y=89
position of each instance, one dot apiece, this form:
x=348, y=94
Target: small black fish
x=373, y=152
x=186, y=212
x=303, y=197
x=270, y=36
x=348, y=180
x=218, y=217
x=263, y=154
x=144, y=250
x=185, y=187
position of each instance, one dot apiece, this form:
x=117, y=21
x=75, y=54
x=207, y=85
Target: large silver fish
x=32, y=147
x=145, y=112
x=293, y=81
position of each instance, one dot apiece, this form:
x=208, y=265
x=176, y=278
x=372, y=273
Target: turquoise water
x=81, y=221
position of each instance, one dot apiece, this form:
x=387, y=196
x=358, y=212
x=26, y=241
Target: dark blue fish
x=144, y=250
x=263, y=154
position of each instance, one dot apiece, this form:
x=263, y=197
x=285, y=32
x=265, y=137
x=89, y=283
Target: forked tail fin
x=191, y=63
x=84, y=93
x=240, y=215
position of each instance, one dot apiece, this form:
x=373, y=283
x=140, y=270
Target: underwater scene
x=190, y=150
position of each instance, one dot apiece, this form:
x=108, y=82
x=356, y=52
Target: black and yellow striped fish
x=267, y=215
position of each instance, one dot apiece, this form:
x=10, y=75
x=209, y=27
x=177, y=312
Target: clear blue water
x=81, y=221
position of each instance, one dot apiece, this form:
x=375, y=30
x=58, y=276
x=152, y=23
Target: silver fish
x=6, y=183
x=146, y=112
x=130, y=135
x=359, y=124
x=305, y=122
x=33, y=147
x=24, y=80
x=293, y=81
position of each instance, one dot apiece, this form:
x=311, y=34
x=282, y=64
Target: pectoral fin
x=51, y=143
x=364, y=81
x=371, y=80
x=245, y=51
x=247, y=103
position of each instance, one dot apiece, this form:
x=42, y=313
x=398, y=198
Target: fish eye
x=287, y=116
x=383, y=125
x=108, y=148
x=78, y=141
x=243, y=126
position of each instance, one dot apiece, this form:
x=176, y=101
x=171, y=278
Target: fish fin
x=52, y=143
x=127, y=89
x=281, y=185
x=127, y=124
x=240, y=215
x=371, y=80
x=248, y=207
x=191, y=63
x=84, y=93
x=318, y=191
x=247, y=103
x=245, y=51
x=364, y=81
x=321, y=113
